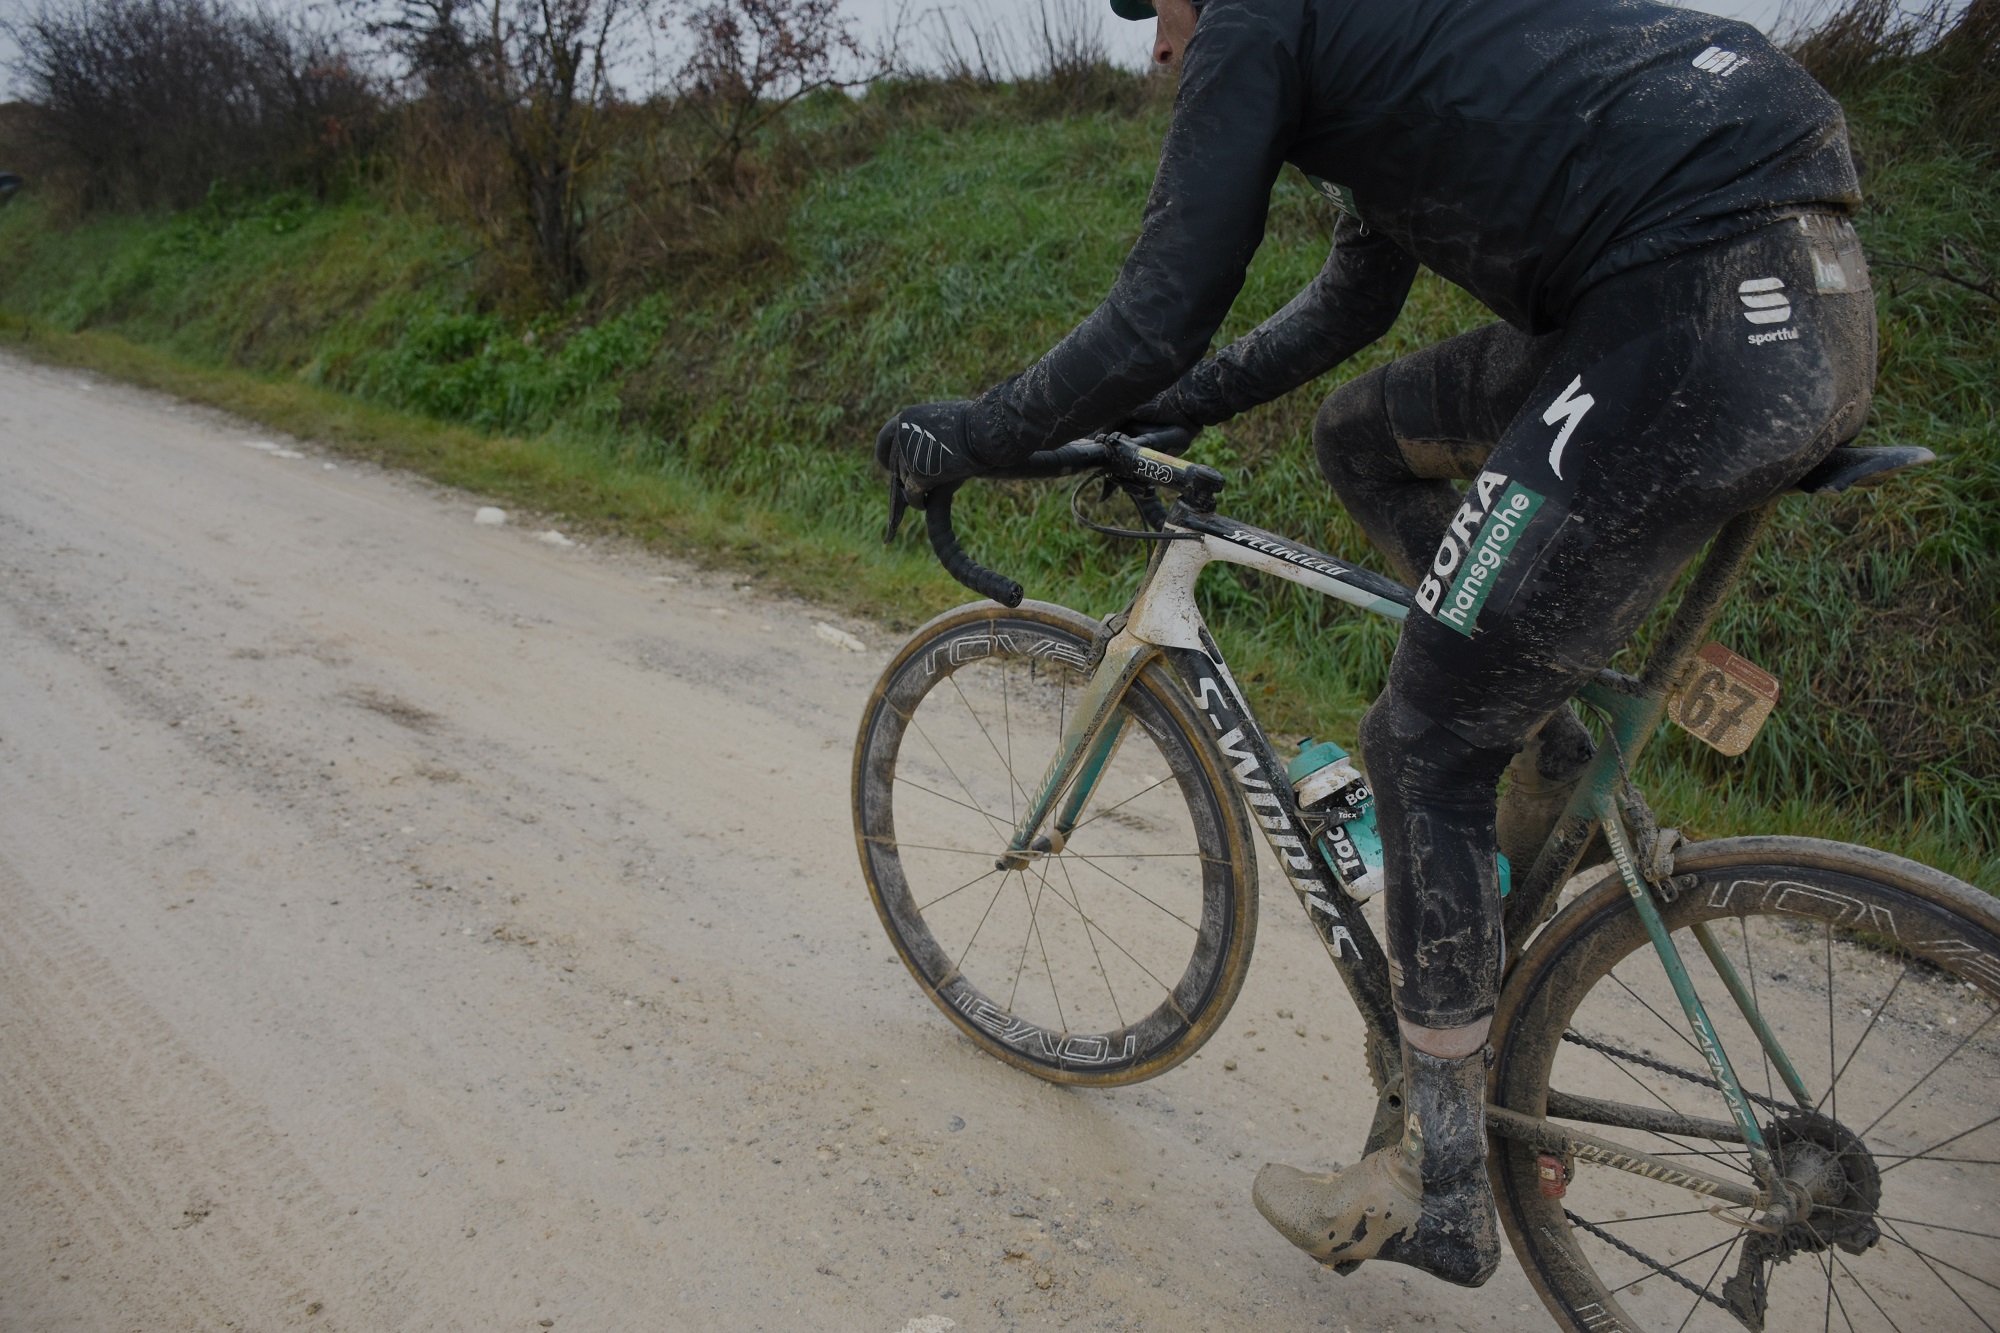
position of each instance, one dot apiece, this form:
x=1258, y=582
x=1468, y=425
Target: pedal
x=1724, y=699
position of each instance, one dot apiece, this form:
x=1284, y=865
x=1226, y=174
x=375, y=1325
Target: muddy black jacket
x=1523, y=149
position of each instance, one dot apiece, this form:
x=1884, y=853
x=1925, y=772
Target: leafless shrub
x=751, y=62
x=149, y=103
x=524, y=86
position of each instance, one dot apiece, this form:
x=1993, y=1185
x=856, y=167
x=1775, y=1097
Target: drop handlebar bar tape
x=944, y=542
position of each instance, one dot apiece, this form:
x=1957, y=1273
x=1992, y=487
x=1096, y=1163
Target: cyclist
x=1654, y=201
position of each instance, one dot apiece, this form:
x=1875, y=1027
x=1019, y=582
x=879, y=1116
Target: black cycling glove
x=1162, y=423
x=929, y=447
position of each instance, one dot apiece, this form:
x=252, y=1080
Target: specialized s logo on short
x=1475, y=546
x=1568, y=408
x=1765, y=302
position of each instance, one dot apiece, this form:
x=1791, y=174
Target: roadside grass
x=591, y=489
x=729, y=416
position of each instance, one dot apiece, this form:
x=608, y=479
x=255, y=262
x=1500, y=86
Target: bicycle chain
x=1645, y=1259
x=1703, y=1080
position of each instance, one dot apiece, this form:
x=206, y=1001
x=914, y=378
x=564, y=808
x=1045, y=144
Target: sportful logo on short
x=1499, y=509
x=1764, y=300
x=1719, y=62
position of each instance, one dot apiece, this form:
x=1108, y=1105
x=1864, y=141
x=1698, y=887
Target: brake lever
x=899, y=504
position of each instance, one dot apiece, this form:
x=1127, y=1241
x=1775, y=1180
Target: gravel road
x=407, y=923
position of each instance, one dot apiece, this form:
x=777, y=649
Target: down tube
x=1348, y=938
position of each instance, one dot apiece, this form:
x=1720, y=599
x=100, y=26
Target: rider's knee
x=1422, y=761
x=1353, y=440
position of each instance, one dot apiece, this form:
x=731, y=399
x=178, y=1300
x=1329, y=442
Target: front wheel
x=1110, y=958
x=1881, y=979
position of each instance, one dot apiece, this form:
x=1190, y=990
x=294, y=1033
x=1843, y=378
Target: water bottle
x=1326, y=783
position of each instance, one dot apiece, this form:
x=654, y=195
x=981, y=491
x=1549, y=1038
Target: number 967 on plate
x=1724, y=699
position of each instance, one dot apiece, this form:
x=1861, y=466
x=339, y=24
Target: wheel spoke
x=1942, y=1143
x=1685, y=1040
x=1750, y=970
x=1833, y=1085
x=1002, y=888
x=1013, y=783
x=1874, y=1016
x=995, y=825
x=1934, y=1226
x=1963, y=1042
x=1862, y=1287
x=1714, y=1273
x=1932, y=1262
x=990, y=819
x=1127, y=801
x=1656, y=1095
x=1090, y=934
x=1026, y=936
x=1007, y=725
x=1034, y=920
x=960, y=889
x=1092, y=863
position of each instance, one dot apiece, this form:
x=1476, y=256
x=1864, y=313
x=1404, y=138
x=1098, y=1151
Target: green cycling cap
x=1134, y=9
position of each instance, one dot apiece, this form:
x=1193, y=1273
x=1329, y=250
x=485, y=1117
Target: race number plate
x=1724, y=699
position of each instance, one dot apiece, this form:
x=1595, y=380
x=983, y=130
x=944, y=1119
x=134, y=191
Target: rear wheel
x=1881, y=978
x=1106, y=962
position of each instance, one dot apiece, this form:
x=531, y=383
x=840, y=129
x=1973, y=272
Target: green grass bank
x=729, y=413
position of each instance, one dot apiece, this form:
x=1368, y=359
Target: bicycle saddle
x=1849, y=466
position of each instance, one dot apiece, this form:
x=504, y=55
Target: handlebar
x=1133, y=460
x=944, y=542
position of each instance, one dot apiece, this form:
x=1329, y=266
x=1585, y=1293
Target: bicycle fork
x=1089, y=739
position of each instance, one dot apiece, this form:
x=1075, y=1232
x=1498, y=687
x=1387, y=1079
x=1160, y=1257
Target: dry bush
x=509, y=101
x=150, y=103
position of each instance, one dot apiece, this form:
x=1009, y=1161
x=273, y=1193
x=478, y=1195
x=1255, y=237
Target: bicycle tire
x=1866, y=941
x=1094, y=935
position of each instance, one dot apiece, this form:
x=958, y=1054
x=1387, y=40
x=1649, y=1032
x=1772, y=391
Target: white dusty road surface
x=412, y=924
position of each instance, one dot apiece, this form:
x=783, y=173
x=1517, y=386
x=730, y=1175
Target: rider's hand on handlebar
x=927, y=447
x=1160, y=424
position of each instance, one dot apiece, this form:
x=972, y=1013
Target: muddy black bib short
x=1599, y=459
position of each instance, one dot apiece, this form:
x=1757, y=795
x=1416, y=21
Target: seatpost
x=1713, y=583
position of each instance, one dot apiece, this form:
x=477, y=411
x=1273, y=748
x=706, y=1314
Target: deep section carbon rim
x=1885, y=995
x=1105, y=961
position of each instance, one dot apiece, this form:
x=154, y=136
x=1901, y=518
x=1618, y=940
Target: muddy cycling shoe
x=1423, y=1201
x=1540, y=781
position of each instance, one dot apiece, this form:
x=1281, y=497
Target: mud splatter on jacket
x=1523, y=149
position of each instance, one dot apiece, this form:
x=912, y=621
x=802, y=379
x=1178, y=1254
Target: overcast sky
x=1126, y=42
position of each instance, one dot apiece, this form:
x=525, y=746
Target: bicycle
x=1093, y=925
